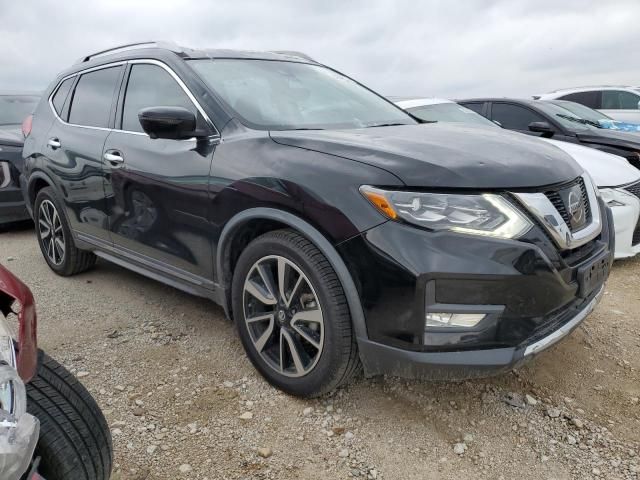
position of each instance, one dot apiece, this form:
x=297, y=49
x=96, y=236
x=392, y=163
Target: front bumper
x=626, y=220
x=381, y=359
x=535, y=295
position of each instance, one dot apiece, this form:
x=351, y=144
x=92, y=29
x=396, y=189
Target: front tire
x=75, y=440
x=292, y=315
x=55, y=238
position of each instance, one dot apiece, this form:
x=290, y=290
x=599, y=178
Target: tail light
x=26, y=126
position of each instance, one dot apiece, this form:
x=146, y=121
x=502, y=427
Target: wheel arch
x=281, y=219
x=37, y=181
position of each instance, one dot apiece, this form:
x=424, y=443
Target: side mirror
x=542, y=127
x=173, y=123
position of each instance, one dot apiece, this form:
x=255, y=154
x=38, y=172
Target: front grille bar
x=540, y=206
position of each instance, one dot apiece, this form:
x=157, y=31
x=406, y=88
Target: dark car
x=333, y=227
x=546, y=119
x=15, y=108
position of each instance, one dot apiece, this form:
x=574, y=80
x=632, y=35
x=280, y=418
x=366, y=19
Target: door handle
x=114, y=158
x=54, y=143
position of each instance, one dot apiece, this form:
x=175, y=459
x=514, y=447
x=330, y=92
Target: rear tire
x=75, y=440
x=312, y=312
x=55, y=238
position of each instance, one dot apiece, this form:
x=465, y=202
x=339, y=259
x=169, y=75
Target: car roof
x=409, y=102
x=522, y=101
x=590, y=88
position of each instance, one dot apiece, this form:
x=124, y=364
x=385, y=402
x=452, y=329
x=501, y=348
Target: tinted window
x=91, y=104
x=514, y=117
x=151, y=86
x=619, y=100
x=589, y=99
x=279, y=95
x=15, y=108
x=476, y=107
x=61, y=94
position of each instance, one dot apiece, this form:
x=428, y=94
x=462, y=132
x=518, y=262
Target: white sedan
x=617, y=180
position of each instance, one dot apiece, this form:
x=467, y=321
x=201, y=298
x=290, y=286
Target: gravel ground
x=183, y=402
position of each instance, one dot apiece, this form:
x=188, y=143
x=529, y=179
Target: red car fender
x=11, y=289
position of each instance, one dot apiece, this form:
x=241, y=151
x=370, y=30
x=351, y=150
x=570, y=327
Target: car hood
x=614, y=138
x=11, y=135
x=444, y=155
x=607, y=170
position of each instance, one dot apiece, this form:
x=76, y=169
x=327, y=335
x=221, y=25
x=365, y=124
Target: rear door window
x=93, y=97
x=591, y=99
x=514, y=117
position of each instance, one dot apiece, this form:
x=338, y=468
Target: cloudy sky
x=401, y=47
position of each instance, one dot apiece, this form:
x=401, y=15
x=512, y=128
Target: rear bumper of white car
x=625, y=207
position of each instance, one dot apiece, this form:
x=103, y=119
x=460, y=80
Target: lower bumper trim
x=563, y=331
x=380, y=359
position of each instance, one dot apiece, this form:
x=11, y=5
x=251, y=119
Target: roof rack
x=132, y=46
x=293, y=53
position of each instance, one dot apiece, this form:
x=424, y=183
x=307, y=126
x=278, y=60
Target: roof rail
x=132, y=46
x=293, y=53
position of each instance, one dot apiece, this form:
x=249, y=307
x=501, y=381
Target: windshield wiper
x=582, y=121
x=386, y=125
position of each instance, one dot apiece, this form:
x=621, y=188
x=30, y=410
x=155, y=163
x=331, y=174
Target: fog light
x=442, y=319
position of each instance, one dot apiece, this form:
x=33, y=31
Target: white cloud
x=440, y=48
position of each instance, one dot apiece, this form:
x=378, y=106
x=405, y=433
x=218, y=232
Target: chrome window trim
x=75, y=74
x=150, y=61
x=4, y=166
x=541, y=207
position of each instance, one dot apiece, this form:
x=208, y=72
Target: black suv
x=331, y=226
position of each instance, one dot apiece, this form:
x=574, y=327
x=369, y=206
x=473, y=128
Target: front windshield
x=583, y=112
x=15, y=108
x=566, y=118
x=450, y=112
x=280, y=95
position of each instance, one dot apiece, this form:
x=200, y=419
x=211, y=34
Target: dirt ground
x=183, y=402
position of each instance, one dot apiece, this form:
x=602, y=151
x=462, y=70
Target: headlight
x=616, y=197
x=486, y=214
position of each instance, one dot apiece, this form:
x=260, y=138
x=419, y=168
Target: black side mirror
x=173, y=123
x=542, y=127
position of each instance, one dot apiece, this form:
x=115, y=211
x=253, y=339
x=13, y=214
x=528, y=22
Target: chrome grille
x=556, y=199
x=555, y=218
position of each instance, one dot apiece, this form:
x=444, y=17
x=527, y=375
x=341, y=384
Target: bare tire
x=55, y=238
x=292, y=315
x=75, y=441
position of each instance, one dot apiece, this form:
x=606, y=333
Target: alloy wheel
x=283, y=316
x=51, y=233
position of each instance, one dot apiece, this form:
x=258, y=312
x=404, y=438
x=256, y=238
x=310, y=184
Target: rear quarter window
x=61, y=95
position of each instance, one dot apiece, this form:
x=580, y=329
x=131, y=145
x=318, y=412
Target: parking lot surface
x=183, y=401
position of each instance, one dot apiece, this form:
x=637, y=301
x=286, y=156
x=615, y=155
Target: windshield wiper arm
x=582, y=121
x=386, y=125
